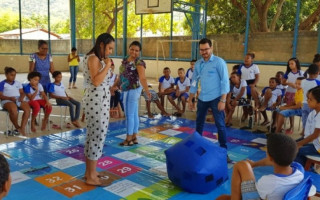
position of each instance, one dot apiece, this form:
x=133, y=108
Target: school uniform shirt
x=275, y=93
x=236, y=91
x=166, y=83
x=189, y=74
x=275, y=186
x=312, y=123
x=29, y=90
x=113, y=79
x=57, y=89
x=182, y=85
x=291, y=78
x=10, y=90
x=248, y=73
x=306, y=85
x=282, y=88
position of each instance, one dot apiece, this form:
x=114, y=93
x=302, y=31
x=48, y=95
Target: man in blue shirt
x=212, y=72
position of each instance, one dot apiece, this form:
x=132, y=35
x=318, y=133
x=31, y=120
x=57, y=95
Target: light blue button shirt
x=213, y=77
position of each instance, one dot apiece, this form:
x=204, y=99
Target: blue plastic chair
x=301, y=191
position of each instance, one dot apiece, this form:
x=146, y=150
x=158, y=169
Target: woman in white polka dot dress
x=96, y=72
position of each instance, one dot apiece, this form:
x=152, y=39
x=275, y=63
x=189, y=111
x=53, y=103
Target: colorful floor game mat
x=52, y=167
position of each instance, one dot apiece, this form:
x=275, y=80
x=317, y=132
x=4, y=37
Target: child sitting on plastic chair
x=11, y=97
x=57, y=91
x=271, y=98
x=182, y=89
x=289, y=110
x=281, y=151
x=37, y=99
x=236, y=96
x=154, y=99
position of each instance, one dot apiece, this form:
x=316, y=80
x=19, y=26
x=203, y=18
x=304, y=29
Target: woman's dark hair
x=315, y=93
x=31, y=75
x=104, y=38
x=55, y=74
x=41, y=42
x=74, y=49
x=135, y=43
x=297, y=64
x=8, y=70
x=316, y=58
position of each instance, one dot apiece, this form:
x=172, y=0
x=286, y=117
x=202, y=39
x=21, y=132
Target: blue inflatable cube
x=196, y=164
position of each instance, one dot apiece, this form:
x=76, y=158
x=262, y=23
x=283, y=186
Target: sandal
x=265, y=123
x=289, y=131
x=68, y=125
x=55, y=126
x=135, y=141
x=126, y=143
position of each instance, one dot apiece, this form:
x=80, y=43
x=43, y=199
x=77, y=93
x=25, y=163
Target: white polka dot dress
x=96, y=107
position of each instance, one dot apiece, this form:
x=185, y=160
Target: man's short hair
x=181, y=69
x=281, y=148
x=4, y=172
x=204, y=41
x=166, y=68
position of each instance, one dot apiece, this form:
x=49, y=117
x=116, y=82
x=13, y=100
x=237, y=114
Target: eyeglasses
x=206, y=49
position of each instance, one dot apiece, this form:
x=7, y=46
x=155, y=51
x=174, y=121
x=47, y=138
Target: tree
x=9, y=20
x=266, y=15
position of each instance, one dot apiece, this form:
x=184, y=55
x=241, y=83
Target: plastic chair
x=6, y=132
x=301, y=191
x=311, y=160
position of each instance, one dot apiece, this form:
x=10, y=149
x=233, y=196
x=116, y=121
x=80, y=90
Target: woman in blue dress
x=41, y=62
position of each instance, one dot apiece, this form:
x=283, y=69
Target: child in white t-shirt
x=250, y=73
x=271, y=98
x=37, y=99
x=310, y=145
x=237, y=96
x=166, y=85
x=292, y=73
x=57, y=91
x=281, y=151
x=11, y=96
x=182, y=89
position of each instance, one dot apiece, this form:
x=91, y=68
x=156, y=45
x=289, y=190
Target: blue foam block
x=196, y=164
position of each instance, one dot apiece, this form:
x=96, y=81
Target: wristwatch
x=223, y=100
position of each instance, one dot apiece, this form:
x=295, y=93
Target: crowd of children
x=31, y=97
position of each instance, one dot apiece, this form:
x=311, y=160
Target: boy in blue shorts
x=281, y=151
x=182, y=88
x=289, y=110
